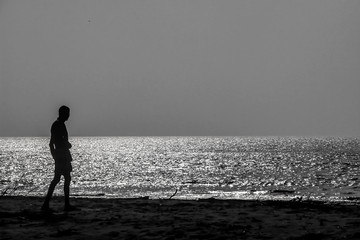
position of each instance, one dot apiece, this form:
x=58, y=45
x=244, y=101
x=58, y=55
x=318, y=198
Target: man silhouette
x=59, y=148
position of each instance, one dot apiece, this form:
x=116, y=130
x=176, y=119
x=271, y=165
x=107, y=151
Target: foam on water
x=222, y=167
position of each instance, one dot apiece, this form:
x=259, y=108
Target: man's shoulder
x=57, y=124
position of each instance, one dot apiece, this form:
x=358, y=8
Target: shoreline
x=144, y=218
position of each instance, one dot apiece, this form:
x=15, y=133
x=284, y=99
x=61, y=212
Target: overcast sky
x=181, y=67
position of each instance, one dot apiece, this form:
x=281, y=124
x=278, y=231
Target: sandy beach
x=142, y=218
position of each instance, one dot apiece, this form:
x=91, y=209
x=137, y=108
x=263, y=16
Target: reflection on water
x=222, y=167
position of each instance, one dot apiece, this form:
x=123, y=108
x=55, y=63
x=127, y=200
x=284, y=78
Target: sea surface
x=284, y=168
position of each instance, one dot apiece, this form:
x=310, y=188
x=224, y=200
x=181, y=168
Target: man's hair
x=64, y=110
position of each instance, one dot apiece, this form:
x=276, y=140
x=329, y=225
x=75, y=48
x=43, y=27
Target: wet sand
x=21, y=218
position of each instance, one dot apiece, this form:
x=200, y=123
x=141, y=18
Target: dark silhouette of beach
x=143, y=218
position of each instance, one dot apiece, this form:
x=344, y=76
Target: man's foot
x=70, y=208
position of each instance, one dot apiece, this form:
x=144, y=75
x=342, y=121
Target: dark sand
x=21, y=218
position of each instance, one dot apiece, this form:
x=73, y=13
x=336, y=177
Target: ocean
x=260, y=168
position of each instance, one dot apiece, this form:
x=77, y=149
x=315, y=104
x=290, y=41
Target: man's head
x=64, y=113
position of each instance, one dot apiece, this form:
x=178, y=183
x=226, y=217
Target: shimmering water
x=221, y=167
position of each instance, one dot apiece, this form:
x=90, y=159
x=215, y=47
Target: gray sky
x=187, y=67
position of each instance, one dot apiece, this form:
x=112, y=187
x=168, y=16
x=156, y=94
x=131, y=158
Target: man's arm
x=55, y=132
x=52, y=148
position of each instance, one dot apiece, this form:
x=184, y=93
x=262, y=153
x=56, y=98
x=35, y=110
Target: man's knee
x=56, y=179
x=67, y=178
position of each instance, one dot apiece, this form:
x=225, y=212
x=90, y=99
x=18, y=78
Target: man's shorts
x=63, y=161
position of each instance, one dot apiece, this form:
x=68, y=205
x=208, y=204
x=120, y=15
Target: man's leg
x=67, y=177
x=68, y=207
x=52, y=186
